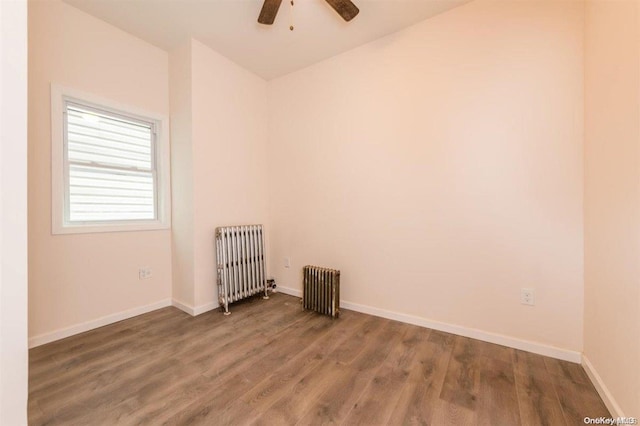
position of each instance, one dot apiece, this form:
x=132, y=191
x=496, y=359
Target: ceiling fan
x=345, y=8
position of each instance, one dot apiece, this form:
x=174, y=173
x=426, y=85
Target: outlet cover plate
x=528, y=296
x=144, y=273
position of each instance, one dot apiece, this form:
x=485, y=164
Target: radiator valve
x=271, y=284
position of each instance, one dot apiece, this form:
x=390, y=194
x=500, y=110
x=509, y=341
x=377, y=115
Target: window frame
x=61, y=224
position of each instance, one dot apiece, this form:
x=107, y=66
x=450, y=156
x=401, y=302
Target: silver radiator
x=321, y=290
x=241, y=260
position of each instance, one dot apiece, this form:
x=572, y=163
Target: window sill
x=120, y=227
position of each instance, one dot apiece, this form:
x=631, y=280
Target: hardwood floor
x=272, y=363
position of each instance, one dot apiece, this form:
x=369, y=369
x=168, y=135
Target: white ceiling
x=230, y=27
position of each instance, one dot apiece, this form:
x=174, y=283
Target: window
x=110, y=166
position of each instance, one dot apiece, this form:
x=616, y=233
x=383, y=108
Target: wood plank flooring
x=272, y=363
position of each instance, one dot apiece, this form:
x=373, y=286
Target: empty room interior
x=320, y=212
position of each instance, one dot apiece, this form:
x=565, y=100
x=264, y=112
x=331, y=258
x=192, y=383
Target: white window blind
x=110, y=166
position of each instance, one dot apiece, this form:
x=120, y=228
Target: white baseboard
x=194, y=311
x=52, y=336
x=183, y=307
x=205, y=308
x=512, y=342
x=291, y=291
x=602, y=389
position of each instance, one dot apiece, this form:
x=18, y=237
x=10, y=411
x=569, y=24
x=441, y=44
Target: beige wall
x=75, y=279
x=230, y=156
x=13, y=213
x=612, y=199
x=440, y=168
x=182, y=183
x=226, y=142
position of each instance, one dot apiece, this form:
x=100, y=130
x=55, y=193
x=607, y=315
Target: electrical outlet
x=144, y=273
x=287, y=262
x=527, y=296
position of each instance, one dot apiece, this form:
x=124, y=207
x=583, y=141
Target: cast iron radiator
x=240, y=258
x=321, y=290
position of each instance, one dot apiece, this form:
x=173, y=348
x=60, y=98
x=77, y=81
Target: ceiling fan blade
x=269, y=11
x=345, y=8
